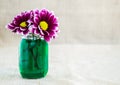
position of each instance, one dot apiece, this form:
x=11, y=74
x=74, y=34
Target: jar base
x=33, y=75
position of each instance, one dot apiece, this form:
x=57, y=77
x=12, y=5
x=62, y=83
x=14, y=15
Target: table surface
x=68, y=65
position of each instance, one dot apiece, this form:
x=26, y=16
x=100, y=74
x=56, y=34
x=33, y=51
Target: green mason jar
x=33, y=57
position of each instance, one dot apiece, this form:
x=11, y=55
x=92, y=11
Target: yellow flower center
x=43, y=25
x=23, y=24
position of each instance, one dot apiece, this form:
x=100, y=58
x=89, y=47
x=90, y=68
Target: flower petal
x=51, y=33
x=36, y=20
x=19, y=31
x=10, y=26
x=25, y=32
x=46, y=33
x=47, y=38
x=37, y=31
x=15, y=30
x=18, y=18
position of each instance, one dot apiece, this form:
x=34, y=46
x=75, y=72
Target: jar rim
x=31, y=37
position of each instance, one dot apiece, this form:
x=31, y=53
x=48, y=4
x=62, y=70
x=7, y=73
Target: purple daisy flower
x=45, y=24
x=21, y=23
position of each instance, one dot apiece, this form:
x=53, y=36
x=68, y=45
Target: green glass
x=33, y=59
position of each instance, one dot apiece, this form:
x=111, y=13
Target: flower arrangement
x=42, y=23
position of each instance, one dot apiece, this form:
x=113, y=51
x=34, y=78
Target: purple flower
x=21, y=23
x=36, y=22
x=45, y=24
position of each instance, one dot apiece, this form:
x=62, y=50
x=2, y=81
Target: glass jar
x=33, y=57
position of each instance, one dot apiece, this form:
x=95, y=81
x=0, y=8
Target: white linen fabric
x=68, y=65
x=81, y=21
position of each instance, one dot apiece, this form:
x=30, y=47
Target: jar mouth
x=31, y=36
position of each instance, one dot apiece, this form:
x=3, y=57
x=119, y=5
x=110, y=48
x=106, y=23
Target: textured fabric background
x=81, y=65
x=81, y=21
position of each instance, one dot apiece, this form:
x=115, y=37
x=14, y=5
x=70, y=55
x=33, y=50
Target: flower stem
x=33, y=36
